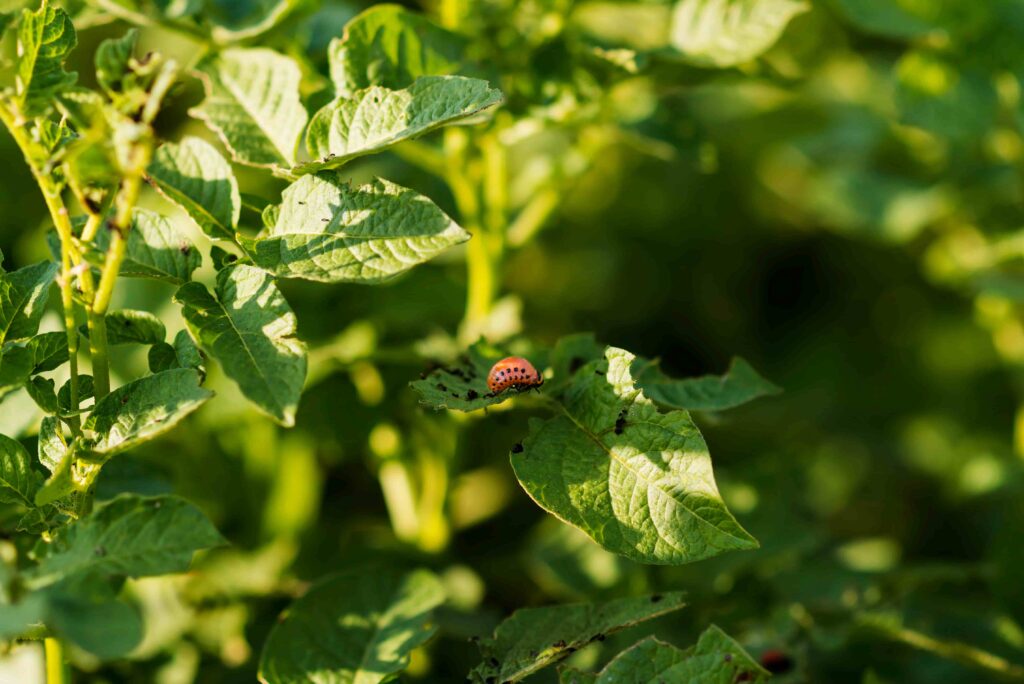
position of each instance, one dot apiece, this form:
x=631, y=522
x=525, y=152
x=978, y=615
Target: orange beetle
x=515, y=372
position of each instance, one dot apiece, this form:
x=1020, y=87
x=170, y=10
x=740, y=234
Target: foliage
x=264, y=218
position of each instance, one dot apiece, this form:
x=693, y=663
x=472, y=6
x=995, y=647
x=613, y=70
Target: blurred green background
x=844, y=212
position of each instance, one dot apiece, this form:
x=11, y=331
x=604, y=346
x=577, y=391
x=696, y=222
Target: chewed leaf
x=740, y=384
x=463, y=385
x=534, y=638
x=329, y=231
x=637, y=481
x=373, y=119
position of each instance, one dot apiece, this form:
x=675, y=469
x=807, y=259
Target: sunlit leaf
x=248, y=326
x=45, y=38
x=23, y=295
x=365, y=624
x=195, y=176
x=723, y=33
x=140, y=410
x=252, y=104
x=129, y=326
x=155, y=250
x=18, y=479
x=638, y=481
x=329, y=231
x=373, y=119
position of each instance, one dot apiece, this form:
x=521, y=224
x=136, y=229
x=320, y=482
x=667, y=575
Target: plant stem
x=119, y=228
x=57, y=671
x=68, y=254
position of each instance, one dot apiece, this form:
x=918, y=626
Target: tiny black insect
x=559, y=644
x=598, y=372
x=441, y=387
x=620, y=422
x=517, y=448
x=575, y=363
x=471, y=395
x=656, y=598
x=494, y=662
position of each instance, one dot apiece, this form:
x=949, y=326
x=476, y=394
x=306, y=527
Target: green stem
x=68, y=254
x=139, y=19
x=57, y=671
x=956, y=651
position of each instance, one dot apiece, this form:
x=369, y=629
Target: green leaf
x=331, y=232
x=23, y=295
x=637, y=481
x=387, y=45
x=49, y=351
x=16, y=363
x=364, y=625
x=85, y=391
x=534, y=638
x=61, y=482
x=51, y=446
x=740, y=384
x=107, y=629
x=893, y=18
x=128, y=326
x=155, y=250
x=182, y=354
x=18, y=479
x=239, y=20
x=45, y=37
x=16, y=618
x=142, y=409
x=252, y=104
x=376, y=118
x=462, y=385
x=250, y=329
x=113, y=57
x=129, y=536
x=195, y=176
x=716, y=659
x=724, y=33
x=44, y=392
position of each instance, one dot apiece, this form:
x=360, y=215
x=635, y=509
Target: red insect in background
x=515, y=372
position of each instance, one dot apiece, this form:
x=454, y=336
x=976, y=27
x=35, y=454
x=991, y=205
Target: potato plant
x=249, y=433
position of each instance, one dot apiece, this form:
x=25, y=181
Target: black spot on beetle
x=517, y=448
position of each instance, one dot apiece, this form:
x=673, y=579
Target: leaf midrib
x=596, y=440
